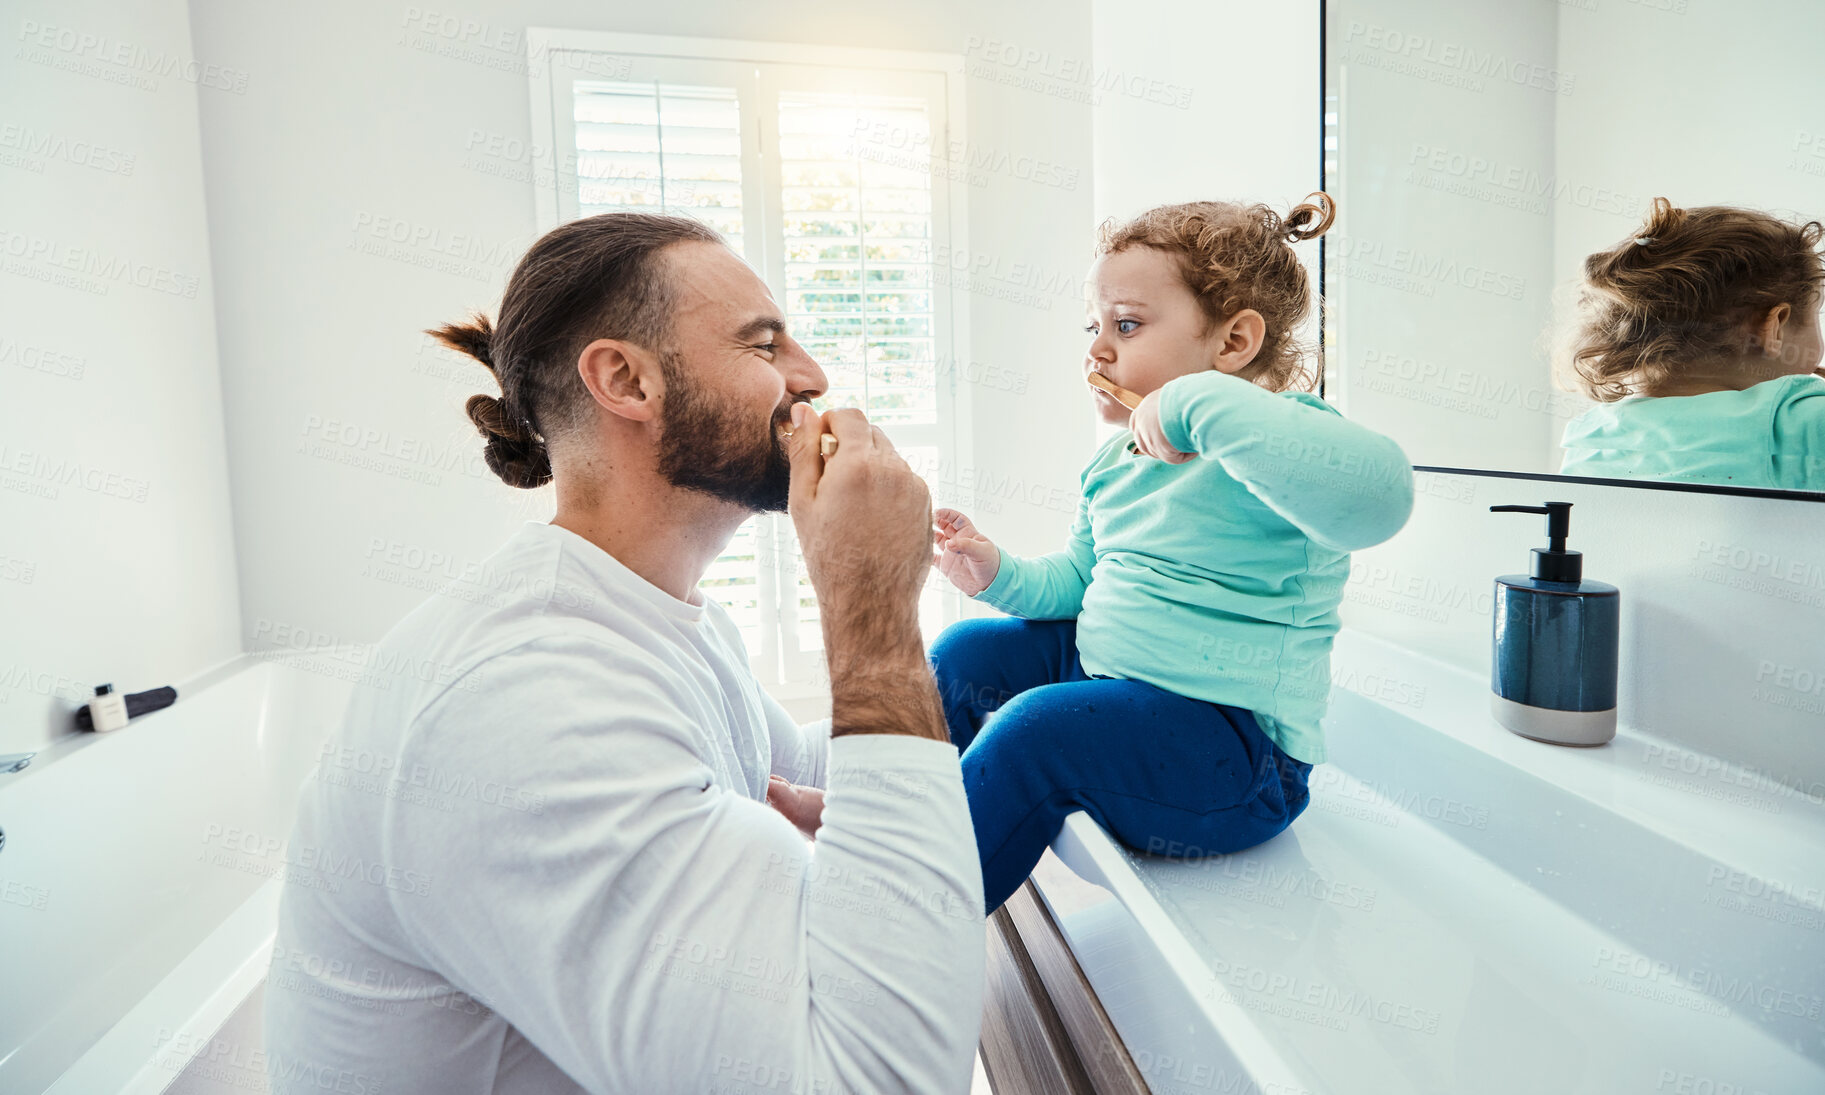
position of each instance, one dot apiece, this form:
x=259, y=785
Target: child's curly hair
x=1234, y=256
x=1687, y=287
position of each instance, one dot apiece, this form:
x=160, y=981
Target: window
x=825, y=170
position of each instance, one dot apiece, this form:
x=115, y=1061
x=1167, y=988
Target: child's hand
x=964, y=555
x=1149, y=437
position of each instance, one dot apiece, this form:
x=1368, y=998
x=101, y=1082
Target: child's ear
x=1237, y=340
x=1768, y=332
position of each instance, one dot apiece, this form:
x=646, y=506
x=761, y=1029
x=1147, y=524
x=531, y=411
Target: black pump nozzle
x=1552, y=563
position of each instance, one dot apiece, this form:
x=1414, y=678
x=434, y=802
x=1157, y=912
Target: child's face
x=1145, y=326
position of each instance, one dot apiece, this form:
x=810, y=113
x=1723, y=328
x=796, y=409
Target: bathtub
x=140, y=877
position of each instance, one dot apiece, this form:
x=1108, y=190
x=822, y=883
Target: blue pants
x=1161, y=773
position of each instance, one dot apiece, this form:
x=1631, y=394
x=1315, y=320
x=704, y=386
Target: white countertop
x=1461, y=909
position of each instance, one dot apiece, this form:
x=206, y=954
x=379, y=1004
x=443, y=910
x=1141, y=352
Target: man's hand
x=864, y=520
x=802, y=806
x=1149, y=437
x=964, y=555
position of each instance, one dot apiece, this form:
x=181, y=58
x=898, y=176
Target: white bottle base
x=1554, y=727
x=107, y=713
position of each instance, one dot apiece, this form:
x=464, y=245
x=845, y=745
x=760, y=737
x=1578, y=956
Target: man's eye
x=770, y=347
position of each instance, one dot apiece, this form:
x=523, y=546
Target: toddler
x=1166, y=671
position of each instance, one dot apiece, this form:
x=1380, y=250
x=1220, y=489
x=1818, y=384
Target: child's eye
x=1122, y=325
x=1092, y=329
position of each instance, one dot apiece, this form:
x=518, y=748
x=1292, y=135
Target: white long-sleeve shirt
x=536, y=857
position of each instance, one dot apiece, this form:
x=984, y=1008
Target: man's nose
x=803, y=375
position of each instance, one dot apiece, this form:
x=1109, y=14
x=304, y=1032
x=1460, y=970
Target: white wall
x=116, y=558
x=361, y=111
x=1246, y=74
x=1444, y=241
x=1689, y=134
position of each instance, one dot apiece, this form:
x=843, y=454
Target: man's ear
x=1768, y=334
x=623, y=378
x=1237, y=340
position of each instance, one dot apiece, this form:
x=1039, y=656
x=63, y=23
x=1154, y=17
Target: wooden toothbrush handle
x=1122, y=395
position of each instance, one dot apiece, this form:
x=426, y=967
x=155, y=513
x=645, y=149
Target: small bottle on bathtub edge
x=1553, y=670
x=108, y=710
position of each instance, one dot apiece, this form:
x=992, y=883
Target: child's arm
x=1049, y=587
x=1343, y=485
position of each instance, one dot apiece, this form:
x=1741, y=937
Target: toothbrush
x=825, y=444
x=1121, y=395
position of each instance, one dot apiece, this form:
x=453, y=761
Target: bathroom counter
x=1463, y=909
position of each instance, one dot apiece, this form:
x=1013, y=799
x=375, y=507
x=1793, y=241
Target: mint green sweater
x=1219, y=578
x=1768, y=435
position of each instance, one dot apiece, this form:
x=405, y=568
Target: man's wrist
x=872, y=633
x=884, y=692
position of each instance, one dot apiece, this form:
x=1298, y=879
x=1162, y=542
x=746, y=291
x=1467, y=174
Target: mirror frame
x=1325, y=13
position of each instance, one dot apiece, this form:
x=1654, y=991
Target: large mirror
x=1505, y=293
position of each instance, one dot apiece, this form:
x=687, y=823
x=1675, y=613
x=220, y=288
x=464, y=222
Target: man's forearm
x=888, y=699
x=880, y=682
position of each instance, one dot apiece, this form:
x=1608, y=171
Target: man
x=550, y=864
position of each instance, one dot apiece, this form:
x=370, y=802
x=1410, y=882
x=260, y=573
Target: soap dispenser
x=1553, y=673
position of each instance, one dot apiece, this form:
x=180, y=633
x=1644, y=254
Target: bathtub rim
x=196, y=994
x=188, y=1005
x=72, y=741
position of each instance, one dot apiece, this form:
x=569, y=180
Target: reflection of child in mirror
x=1699, y=339
x=1167, y=670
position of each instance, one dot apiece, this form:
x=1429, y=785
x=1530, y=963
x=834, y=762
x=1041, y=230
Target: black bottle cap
x=1552, y=563
x=103, y=689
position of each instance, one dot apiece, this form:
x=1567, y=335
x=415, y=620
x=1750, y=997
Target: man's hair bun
x=514, y=452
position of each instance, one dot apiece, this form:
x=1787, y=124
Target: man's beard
x=707, y=446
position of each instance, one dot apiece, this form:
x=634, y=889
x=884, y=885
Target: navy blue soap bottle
x=1553, y=670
